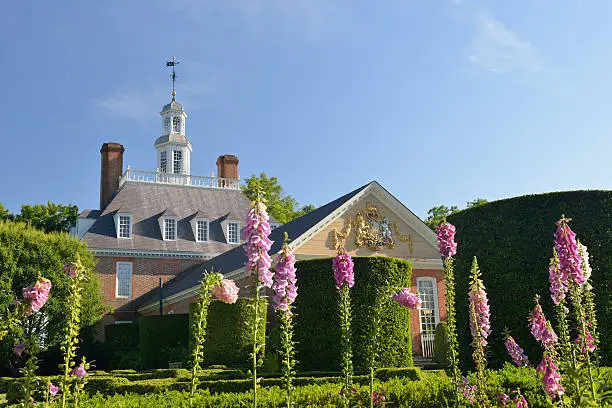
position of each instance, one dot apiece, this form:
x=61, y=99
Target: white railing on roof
x=158, y=177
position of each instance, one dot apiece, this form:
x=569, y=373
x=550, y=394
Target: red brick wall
x=145, y=275
x=111, y=170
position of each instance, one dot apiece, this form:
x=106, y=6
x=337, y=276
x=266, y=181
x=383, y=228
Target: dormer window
x=200, y=228
x=123, y=225
x=169, y=229
x=232, y=232
x=176, y=124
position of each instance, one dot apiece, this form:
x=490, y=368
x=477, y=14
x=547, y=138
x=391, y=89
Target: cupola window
x=167, y=125
x=163, y=161
x=176, y=124
x=177, y=159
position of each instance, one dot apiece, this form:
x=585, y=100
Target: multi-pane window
x=232, y=232
x=125, y=226
x=163, y=161
x=124, y=280
x=169, y=229
x=167, y=125
x=429, y=314
x=202, y=230
x=177, y=160
x=176, y=124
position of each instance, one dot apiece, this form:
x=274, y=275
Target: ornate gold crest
x=372, y=229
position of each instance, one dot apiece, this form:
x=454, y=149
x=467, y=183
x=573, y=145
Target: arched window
x=176, y=124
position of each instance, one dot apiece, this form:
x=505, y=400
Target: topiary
x=441, y=347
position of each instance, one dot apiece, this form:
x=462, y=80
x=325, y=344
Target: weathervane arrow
x=173, y=64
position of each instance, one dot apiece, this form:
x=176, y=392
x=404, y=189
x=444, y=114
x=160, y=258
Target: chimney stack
x=227, y=167
x=111, y=172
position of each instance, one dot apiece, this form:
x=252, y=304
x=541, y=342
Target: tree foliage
x=49, y=218
x=436, y=215
x=282, y=207
x=27, y=254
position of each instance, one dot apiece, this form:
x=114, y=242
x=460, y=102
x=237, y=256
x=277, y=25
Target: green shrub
x=122, y=345
x=15, y=392
x=229, y=339
x=160, y=333
x=4, y=384
x=513, y=241
x=441, y=349
x=317, y=321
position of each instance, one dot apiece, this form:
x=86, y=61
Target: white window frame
x=197, y=230
x=179, y=161
x=131, y=274
x=163, y=161
x=177, y=120
x=435, y=294
x=117, y=218
x=167, y=125
x=163, y=225
x=229, y=237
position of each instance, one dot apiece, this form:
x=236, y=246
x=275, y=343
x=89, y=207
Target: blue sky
x=439, y=101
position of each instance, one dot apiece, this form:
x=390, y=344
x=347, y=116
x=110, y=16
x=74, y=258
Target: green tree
x=477, y=202
x=5, y=214
x=436, y=215
x=49, y=218
x=283, y=208
x=27, y=254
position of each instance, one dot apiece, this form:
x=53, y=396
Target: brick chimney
x=112, y=169
x=227, y=166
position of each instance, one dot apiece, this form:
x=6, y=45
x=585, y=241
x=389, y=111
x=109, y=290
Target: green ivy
x=228, y=338
x=317, y=323
x=513, y=240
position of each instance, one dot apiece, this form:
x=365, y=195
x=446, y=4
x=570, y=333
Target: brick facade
x=145, y=275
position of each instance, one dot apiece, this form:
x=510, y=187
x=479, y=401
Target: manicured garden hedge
x=163, y=338
x=229, y=339
x=122, y=342
x=513, y=241
x=317, y=318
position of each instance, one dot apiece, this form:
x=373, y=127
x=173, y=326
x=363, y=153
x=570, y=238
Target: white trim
x=435, y=294
x=230, y=222
x=117, y=218
x=131, y=265
x=427, y=341
x=194, y=228
x=162, y=227
x=135, y=253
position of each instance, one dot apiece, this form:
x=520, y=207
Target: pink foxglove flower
x=567, y=250
x=19, y=348
x=551, y=378
x=71, y=269
x=446, y=240
x=258, y=244
x=468, y=391
x=558, y=280
x=516, y=352
x=53, y=389
x=521, y=402
x=541, y=327
x=480, y=325
x=36, y=295
x=407, y=298
x=80, y=372
x=343, y=270
x=503, y=399
x=588, y=344
x=378, y=397
x=284, y=287
x=227, y=291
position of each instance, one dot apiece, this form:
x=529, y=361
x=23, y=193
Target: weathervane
x=173, y=64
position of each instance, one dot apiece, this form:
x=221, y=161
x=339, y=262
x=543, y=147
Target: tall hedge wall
x=317, y=320
x=121, y=345
x=228, y=338
x=513, y=241
x=160, y=333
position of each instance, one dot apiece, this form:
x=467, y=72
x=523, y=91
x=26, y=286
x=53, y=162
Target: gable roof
x=147, y=202
x=236, y=258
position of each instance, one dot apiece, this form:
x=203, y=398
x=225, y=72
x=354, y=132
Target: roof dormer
x=168, y=226
x=123, y=225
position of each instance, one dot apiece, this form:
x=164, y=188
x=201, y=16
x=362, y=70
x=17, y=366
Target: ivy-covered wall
x=317, y=317
x=229, y=338
x=513, y=240
x=163, y=337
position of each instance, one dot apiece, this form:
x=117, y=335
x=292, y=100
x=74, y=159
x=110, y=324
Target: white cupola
x=173, y=148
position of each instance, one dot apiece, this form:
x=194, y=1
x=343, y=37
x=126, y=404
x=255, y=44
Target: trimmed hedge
x=229, y=338
x=159, y=336
x=513, y=241
x=317, y=319
x=441, y=347
x=121, y=345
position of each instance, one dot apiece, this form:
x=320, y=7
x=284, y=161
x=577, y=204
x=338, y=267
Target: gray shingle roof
x=236, y=258
x=147, y=202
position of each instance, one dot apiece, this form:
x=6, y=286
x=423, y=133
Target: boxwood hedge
x=160, y=334
x=317, y=320
x=122, y=343
x=513, y=241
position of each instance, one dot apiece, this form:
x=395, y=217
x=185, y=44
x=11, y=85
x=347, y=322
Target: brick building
x=169, y=226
